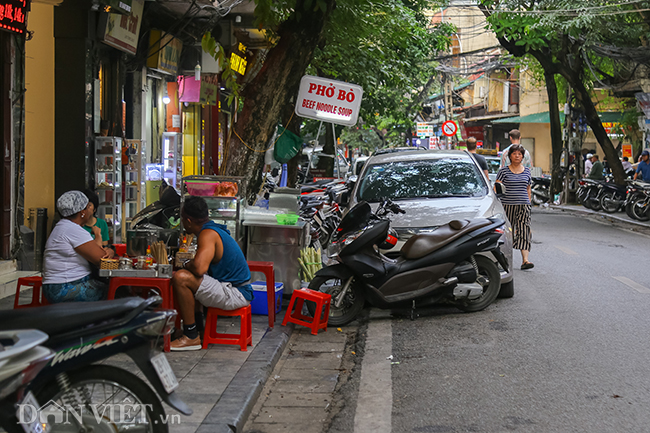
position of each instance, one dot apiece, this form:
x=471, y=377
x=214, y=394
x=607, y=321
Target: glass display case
x=172, y=158
x=223, y=196
x=134, y=185
x=108, y=175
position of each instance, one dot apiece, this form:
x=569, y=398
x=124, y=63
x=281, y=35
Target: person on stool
x=217, y=277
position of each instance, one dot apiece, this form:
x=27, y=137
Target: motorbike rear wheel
x=351, y=306
x=539, y=195
x=92, y=385
x=490, y=278
x=609, y=203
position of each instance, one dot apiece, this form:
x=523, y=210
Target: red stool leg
x=288, y=314
x=270, y=295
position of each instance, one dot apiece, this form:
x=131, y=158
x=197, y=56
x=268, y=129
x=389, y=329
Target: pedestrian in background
x=597, y=169
x=516, y=201
x=515, y=138
x=471, y=148
x=588, y=164
x=627, y=166
x=644, y=167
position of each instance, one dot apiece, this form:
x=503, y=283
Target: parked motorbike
x=441, y=266
x=541, y=190
x=164, y=213
x=640, y=203
x=587, y=194
x=611, y=196
x=84, y=333
x=21, y=358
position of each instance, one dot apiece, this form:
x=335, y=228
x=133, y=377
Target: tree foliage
x=566, y=37
x=384, y=46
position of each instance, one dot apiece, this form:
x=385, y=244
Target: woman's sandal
x=527, y=265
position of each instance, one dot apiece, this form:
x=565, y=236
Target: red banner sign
x=13, y=15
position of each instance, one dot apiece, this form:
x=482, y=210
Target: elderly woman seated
x=69, y=252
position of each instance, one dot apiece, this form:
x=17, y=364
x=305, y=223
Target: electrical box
x=575, y=144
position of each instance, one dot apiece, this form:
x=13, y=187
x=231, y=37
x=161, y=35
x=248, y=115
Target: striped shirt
x=516, y=185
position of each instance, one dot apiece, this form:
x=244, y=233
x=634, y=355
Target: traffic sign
x=449, y=128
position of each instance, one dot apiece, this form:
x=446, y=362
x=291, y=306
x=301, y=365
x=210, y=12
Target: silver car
x=433, y=187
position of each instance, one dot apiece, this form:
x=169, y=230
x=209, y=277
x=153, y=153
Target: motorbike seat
x=421, y=245
x=68, y=316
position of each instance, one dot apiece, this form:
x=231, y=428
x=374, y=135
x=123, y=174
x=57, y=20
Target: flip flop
x=527, y=265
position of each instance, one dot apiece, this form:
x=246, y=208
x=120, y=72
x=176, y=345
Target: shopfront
x=13, y=19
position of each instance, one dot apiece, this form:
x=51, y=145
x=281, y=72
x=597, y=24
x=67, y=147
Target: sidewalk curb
x=586, y=211
x=236, y=403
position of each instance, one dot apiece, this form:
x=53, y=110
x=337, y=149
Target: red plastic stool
x=35, y=283
x=319, y=321
x=267, y=269
x=164, y=286
x=243, y=339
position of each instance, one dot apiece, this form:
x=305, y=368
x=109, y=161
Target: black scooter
x=444, y=265
x=541, y=190
x=164, y=213
x=75, y=394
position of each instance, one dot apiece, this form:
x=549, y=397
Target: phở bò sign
x=329, y=100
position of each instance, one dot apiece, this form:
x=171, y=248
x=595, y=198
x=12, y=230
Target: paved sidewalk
x=299, y=397
x=221, y=384
x=618, y=217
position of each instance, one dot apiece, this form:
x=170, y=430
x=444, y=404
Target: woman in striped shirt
x=516, y=201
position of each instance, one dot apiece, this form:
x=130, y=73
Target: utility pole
x=572, y=145
x=447, y=89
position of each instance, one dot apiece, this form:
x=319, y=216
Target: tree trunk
x=556, y=133
x=271, y=90
x=584, y=97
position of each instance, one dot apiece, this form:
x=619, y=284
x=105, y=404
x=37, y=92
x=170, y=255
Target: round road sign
x=449, y=128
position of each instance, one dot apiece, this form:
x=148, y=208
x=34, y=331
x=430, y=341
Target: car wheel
x=507, y=289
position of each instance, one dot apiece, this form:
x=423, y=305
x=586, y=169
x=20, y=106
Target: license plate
x=165, y=372
x=29, y=416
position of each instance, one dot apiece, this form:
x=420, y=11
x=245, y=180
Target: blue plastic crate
x=259, y=305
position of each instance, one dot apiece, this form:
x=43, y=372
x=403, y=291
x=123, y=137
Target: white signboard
x=122, y=31
x=424, y=130
x=329, y=100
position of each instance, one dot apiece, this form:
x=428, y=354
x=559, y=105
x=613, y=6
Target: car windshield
x=429, y=178
x=493, y=165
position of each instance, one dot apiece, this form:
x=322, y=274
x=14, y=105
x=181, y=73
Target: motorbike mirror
x=343, y=198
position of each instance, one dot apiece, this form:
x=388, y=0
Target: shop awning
x=544, y=117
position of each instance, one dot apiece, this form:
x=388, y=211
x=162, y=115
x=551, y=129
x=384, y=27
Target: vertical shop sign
x=627, y=150
x=238, y=60
x=209, y=89
x=122, y=31
x=13, y=15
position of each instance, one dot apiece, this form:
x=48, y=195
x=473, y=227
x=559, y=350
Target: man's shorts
x=215, y=294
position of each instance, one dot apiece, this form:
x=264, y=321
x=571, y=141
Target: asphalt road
x=569, y=353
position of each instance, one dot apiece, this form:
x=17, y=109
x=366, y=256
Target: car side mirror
x=499, y=189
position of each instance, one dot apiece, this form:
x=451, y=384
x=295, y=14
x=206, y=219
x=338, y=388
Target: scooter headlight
x=335, y=247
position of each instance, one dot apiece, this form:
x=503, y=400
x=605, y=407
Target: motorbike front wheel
x=610, y=203
x=113, y=400
x=488, y=277
x=350, y=307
